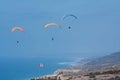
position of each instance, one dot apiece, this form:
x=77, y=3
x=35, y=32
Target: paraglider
x=17, y=28
x=52, y=24
x=69, y=15
x=41, y=65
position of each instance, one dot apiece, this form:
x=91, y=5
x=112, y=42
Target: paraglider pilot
x=69, y=27
x=52, y=38
x=17, y=41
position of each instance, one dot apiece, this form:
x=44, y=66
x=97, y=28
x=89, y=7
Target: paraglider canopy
x=41, y=65
x=69, y=15
x=17, y=28
x=52, y=24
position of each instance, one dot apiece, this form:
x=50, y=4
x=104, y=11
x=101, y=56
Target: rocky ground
x=110, y=73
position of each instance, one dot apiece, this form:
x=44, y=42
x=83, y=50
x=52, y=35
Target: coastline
x=103, y=68
x=109, y=73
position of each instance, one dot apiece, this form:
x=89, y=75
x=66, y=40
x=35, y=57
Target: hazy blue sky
x=95, y=32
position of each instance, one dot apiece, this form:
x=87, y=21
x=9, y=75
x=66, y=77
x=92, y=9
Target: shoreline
x=109, y=73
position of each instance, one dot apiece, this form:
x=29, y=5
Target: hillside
x=103, y=62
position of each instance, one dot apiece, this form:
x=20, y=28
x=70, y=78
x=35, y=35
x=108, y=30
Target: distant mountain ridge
x=103, y=62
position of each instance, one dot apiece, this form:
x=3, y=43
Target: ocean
x=27, y=68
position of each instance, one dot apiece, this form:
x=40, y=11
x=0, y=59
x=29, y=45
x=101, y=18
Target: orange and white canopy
x=17, y=28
